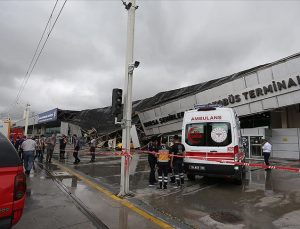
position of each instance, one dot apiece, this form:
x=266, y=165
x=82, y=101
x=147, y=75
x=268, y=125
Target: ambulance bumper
x=213, y=170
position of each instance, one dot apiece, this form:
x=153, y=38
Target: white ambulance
x=212, y=139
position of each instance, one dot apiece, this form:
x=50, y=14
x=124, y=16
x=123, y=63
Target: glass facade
x=52, y=130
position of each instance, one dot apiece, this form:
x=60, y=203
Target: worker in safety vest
x=163, y=164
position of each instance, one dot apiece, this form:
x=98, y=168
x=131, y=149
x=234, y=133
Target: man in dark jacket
x=177, y=154
x=76, y=142
x=50, y=142
x=152, y=147
x=17, y=143
x=62, y=146
x=93, y=145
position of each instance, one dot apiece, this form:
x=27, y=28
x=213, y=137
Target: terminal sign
x=273, y=87
x=48, y=116
x=163, y=120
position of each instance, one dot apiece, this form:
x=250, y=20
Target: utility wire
x=46, y=41
x=34, y=55
x=28, y=73
x=36, y=60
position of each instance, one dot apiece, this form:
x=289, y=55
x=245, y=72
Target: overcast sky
x=178, y=43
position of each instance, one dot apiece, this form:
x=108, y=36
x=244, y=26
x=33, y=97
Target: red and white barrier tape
x=283, y=168
x=210, y=159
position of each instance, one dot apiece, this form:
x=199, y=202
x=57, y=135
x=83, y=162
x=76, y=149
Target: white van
x=212, y=139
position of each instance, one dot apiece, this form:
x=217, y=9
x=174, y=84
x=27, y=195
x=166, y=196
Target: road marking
x=127, y=204
x=56, y=174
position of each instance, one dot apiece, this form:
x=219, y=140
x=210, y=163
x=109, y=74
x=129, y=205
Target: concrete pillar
x=275, y=120
x=284, y=119
x=43, y=130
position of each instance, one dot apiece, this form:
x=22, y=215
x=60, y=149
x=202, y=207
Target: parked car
x=12, y=184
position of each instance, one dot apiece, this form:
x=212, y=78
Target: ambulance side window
x=195, y=134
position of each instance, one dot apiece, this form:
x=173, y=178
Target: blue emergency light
x=206, y=107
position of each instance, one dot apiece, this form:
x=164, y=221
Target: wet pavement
x=60, y=196
x=57, y=199
x=47, y=206
x=267, y=199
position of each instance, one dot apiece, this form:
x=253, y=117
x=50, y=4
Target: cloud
x=178, y=43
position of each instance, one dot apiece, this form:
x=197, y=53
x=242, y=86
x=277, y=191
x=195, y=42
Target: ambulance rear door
x=210, y=135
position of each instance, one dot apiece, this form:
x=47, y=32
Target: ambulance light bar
x=206, y=107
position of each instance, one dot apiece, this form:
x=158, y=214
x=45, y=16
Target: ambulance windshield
x=208, y=134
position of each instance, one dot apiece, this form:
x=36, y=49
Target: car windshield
x=208, y=134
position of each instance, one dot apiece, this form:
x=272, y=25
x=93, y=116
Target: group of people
x=170, y=160
x=30, y=148
x=167, y=160
x=77, y=145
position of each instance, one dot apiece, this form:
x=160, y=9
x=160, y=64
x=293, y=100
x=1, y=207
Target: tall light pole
x=26, y=118
x=127, y=98
x=33, y=115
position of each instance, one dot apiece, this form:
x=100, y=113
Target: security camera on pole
x=127, y=98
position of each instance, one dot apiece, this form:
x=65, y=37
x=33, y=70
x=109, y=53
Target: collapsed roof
x=102, y=120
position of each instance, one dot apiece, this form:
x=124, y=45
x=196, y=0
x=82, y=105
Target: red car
x=12, y=185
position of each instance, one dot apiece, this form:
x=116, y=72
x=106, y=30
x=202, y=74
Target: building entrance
x=252, y=146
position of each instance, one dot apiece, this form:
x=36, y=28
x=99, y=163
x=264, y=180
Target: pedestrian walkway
x=56, y=198
x=47, y=206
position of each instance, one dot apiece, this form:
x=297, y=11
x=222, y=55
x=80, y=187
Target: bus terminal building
x=266, y=99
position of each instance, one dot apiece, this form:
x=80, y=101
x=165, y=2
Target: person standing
x=62, y=147
x=93, y=144
x=266, y=148
x=163, y=164
x=177, y=154
x=17, y=143
x=20, y=148
x=152, y=147
x=76, y=142
x=43, y=142
x=51, y=141
x=28, y=147
x=38, y=148
x=12, y=141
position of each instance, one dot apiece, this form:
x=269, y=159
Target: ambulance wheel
x=191, y=177
x=239, y=179
x=244, y=170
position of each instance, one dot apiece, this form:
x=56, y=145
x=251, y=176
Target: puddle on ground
x=226, y=217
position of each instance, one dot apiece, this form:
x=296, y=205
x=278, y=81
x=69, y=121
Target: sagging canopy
x=102, y=120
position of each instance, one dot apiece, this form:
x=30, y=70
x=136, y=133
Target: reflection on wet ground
x=111, y=213
x=48, y=207
x=267, y=199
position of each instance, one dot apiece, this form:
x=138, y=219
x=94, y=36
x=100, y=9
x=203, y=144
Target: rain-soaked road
x=267, y=199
